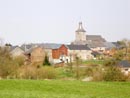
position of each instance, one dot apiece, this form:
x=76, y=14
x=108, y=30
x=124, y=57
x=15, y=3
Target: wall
x=82, y=54
x=37, y=55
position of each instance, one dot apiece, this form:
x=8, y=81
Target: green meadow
x=63, y=89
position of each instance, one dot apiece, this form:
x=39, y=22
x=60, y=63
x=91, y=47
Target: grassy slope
x=63, y=89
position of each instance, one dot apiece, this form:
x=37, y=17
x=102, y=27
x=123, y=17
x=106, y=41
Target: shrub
x=97, y=74
x=7, y=66
x=46, y=61
x=46, y=73
x=19, y=60
x=32, y=72
x=113, y=73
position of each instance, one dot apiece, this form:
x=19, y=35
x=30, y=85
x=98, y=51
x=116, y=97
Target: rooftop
x=78, y=47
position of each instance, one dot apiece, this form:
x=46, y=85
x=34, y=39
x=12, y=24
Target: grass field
x=101, y=62
x=63, y=89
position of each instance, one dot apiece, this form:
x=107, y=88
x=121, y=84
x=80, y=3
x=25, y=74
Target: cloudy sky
x=55, y=21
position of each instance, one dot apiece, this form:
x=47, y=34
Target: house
x=68, y=53
x=35, y=55
x=81, y=51
x=60, y=54
x=48, y=47
x=16, y=51
x=125, y=66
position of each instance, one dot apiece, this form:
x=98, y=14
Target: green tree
x=46, y=61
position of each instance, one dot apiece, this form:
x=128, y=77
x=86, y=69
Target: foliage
x=110, y=62
x=63, y=89
x=46, y=61
x=6, y=63
x=113, y=73
x=19, y=60
x=118, y=55
x=32, y=72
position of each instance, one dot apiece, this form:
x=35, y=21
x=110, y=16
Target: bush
x=113, y=73
x=46, y=73
x=19, y=60
x=32, y=72
x=97, y=74
x=8, y=70
x=8, y=67
x=46, y=61
x=27, y=72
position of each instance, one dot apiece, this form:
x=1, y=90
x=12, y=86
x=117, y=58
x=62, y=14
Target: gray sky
x=55, y=21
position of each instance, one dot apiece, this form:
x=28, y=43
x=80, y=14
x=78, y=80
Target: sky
x=55, y=21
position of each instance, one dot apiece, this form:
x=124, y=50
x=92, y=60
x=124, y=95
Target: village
x=64, y=48
x=86, y=47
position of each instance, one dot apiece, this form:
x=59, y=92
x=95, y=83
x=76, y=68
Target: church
x=92, y=41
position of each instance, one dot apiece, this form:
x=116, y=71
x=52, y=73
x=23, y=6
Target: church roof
x=80, y=29
x=96, y=44
x=78, y=47
x=95, y=38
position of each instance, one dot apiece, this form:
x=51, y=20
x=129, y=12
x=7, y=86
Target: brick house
x=60, y=54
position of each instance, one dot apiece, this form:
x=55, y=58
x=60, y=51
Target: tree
x=46, y=61
x=5, y=62
x=125, y=43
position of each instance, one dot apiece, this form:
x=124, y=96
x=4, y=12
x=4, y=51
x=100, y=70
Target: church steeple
x=80, y=29
x=80, y=34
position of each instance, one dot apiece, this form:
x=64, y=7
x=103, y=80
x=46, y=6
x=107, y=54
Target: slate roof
x=96, y=44
x=29, y=51
x=26, y=46
x=118, y=46
x=13, y=47
x=43, y=45
x=109, y=45
x=95, y=38
x=50, y=45
x=78, y=47
x=124, y=63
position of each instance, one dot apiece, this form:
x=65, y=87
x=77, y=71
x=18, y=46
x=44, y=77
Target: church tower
x=80, y=33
